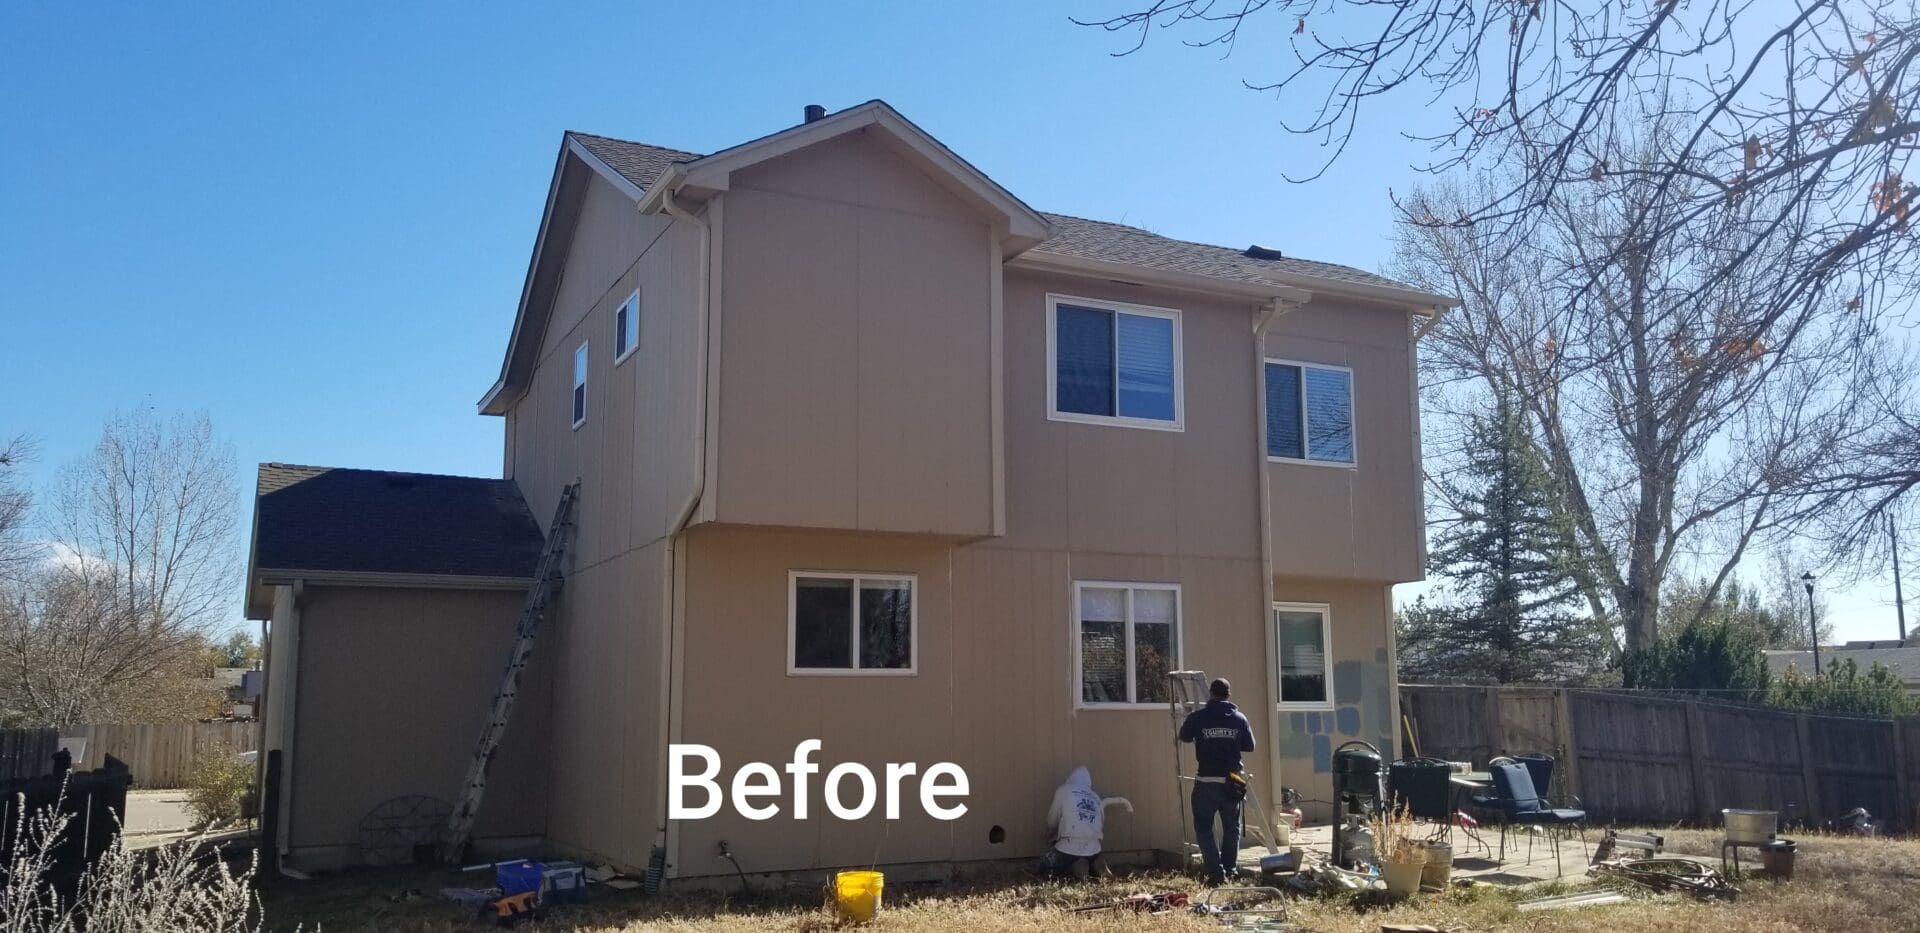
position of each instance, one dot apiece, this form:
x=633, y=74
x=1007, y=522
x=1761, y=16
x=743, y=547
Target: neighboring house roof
x=321, y=523
x=1903, y=661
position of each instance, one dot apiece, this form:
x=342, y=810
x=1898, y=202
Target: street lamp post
x=1813, y=625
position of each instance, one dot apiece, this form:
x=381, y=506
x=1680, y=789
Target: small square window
x=1309, y=412
x=851, y=624
x=626, y=328
x=1306, y=663
x=1113, y=363
x=580, y=385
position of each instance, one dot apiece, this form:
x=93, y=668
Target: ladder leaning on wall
x=1187, y=692
x=547, y=578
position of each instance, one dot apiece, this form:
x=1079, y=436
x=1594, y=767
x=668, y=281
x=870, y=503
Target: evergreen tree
x=1717, y=656
x=1513, y=616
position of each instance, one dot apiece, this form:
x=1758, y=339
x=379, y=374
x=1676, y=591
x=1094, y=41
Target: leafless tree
x=16, y=504
x=1683, y=414
x=151, y=510
x=1804, y=106
x=1769, y=150
x=113, y=624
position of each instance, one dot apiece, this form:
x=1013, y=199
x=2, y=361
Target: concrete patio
x=1474, y=862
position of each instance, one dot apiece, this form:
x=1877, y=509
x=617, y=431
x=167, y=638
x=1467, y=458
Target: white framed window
x=1109, y=362
x=852, y=623
x=580, y=385
x=626, y=328
x=1309, y=413
x=1301, y=636
x=1126, y=640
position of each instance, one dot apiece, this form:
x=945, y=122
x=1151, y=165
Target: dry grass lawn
x=1851, y=884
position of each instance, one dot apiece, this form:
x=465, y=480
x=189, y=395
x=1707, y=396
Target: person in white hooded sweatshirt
x=1077, y=818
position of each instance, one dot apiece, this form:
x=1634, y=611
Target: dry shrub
x=183, y=888
x=218, y=786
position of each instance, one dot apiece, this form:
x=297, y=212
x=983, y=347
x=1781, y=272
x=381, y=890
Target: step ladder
x=1187, y=692
x=547, y=578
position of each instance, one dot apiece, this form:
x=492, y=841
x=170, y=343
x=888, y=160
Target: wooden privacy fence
x=1640, y=757
x=161, y=755
x=26, y=753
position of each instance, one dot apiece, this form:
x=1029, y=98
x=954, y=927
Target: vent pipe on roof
x=813, y=112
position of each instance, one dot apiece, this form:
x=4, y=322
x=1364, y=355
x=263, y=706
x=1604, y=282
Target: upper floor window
x=1128, y=641
x=580, y=385
x=626, y=328
x=1306, y=664
x=1309, y=412
x=1113, y=363
x=851, y=623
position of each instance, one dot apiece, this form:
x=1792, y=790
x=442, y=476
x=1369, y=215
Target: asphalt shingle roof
x=1903, y=661
x=642, y=164
x=374, y=521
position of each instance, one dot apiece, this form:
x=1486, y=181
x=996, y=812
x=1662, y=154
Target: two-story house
x=870, y=452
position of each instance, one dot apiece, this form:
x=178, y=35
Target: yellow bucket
x=857, y=894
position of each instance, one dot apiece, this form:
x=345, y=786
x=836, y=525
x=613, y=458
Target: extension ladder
x=546, y=582
x=1187, y=692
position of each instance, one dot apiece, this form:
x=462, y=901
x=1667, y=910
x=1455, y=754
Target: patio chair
x=1516, y=802
x=1424, y=787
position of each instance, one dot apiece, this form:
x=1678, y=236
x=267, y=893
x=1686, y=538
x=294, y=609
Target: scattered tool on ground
x=514, y=908
x=1643, y=844
x=1669, y=873
x=1570, y=901
x=1245, y=907
x=1140, y=903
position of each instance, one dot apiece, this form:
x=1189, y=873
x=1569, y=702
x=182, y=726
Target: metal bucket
x=1750, y=827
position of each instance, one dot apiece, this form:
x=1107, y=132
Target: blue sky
x=312, y=221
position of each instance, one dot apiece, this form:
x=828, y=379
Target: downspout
x=1269, y=313
x=295, y=606
x=1420, y=504
x=672, y=615
x=1432, y=321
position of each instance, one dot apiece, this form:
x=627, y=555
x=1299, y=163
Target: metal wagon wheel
x=398, y=830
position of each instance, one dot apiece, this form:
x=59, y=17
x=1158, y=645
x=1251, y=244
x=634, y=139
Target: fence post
x=1563, y=722
x=1809, y=775
x=1703, y=802
x=1496, y=725
x=1904, y=815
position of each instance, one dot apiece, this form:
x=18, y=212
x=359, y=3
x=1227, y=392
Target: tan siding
x=994, y=693
x=1362, y=523
x=394, y=687
x=1129, y=490
x=634, y=459
x=1361, y=624
x=855, y=388
x=604, y=785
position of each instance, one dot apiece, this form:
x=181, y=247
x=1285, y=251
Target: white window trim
x=632, y=307
x=1326, y=645
x=1078, y=675
x=1179, y=422
x=913, y=624
x=582, y=368
x=1353, y=429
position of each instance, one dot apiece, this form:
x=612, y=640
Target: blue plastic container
x=519, y=877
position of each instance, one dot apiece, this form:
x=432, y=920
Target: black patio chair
x=1516, y=802
x=1424, y=788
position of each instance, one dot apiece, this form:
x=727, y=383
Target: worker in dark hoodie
x=1220, y=733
